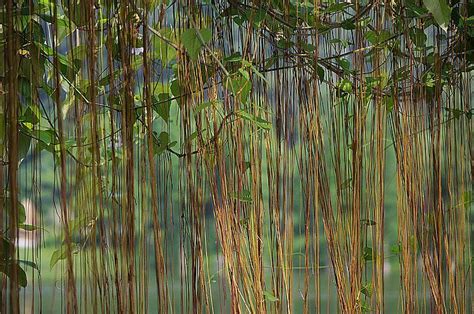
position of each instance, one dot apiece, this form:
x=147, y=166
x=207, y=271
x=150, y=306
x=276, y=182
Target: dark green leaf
x=7, y=267
x=418, y=37
x=29, y=263
x=5, y=248
x=336, y=7
x=24, y=142
x=413, y=9
x=368, y=254
x=321, y=73
x=21, y=209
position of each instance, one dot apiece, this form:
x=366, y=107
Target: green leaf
x=285, y=43
x=365, y=307
x=235, y=57
x=346, y=86
x=5, y=248
x=320, y=72
x=28, y=227
x=57, y=256
x=78, y=7
x=24, y=85
x=240, y=85
x=29, y=263
x=32, y=115
x=456, y=113
x=348, y=24
x=413, y=9
x=244, y=221
x=244, y=196
x=256, y=17
x=21, y=209
x=21, y=213
x=45, y=136
x=261, y=123
x=371, y=37
x=429, y=80
x=345, y=64
x=64, y=29
x=202, y=106
x=368, y=254
x=388, y=103
x=193, y=40
x=269, y=296
x=194, y=135
x=376, y=38
x=250, y=65
x=162, y=144
x=177, y=91
x=367, y=289
x=418, y=37
x=162, y=50
x=467, y=198
x=369, y=222
x=206, y=105
x=337, y=7
x=396, y=249
x=164, y=138
x=6, y=268
x=23, y=146
x=346, y=184
x=440, y=11
x=161, y=105
x=343, y=42
x=61, y=254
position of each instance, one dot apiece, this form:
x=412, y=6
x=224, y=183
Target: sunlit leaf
x=269, y=296
x=440, y=10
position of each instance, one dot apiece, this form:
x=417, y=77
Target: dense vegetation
x=236, y=156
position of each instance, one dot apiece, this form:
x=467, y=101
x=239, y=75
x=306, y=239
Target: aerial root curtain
x=227, y=156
